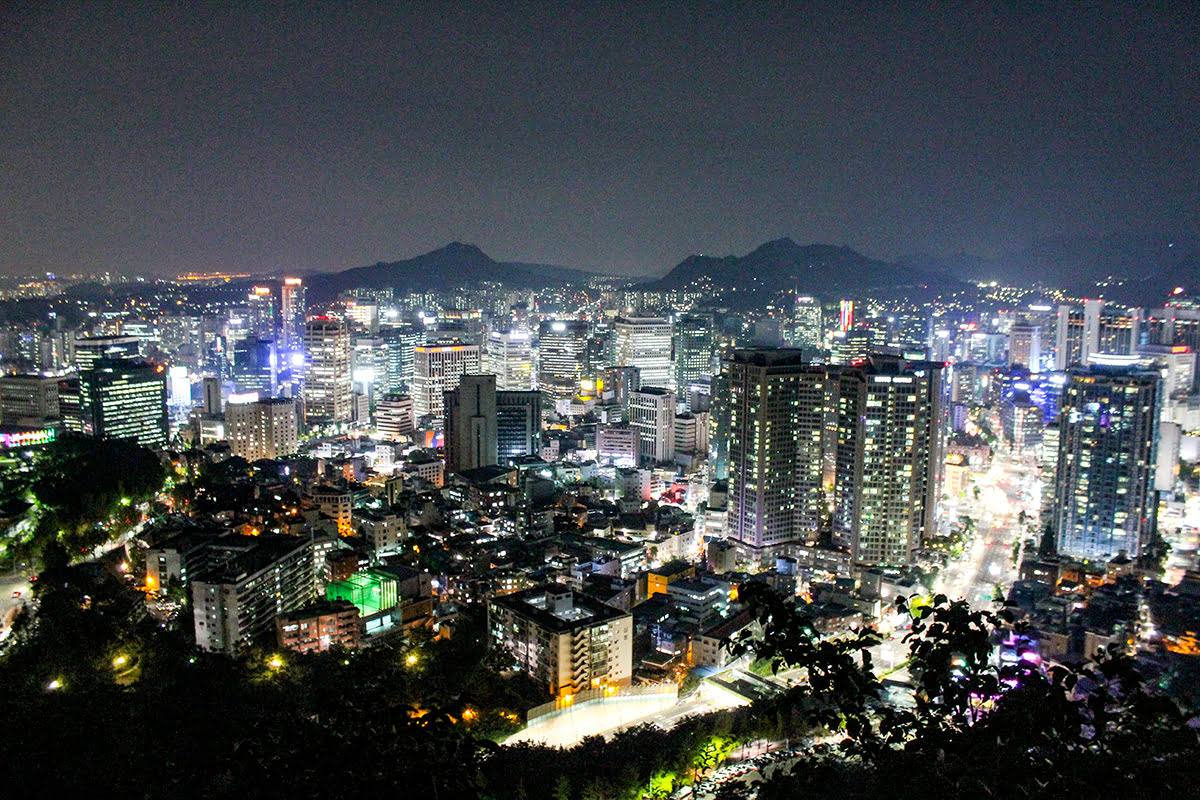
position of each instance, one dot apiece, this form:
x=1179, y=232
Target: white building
x=569, y=641
x=263, y=428
x=645, y=343
x=510, y=359
x=652, y=414
x=328, y=383
x=437, y=369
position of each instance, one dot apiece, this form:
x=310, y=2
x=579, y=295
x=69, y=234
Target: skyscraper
x=645, y=343
x=327, y=384
x=471, y=423
x=518, y=424
x=562, y=357
x=510, y=359
x=693, y=352
x=775, y=405
x=292, y=311
x=1105, y=501
x=652, y=414
x=401, y=342
x=437, y=369
x=807, y=331
x=254, y=362
x=889, y=456
x=90, y=349
x=267, y=428
x=125, y=399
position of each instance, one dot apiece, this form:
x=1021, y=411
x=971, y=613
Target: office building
x=510, y=359
x=645, y=343
x=437, y=369
x=291, y=314
x=1105, y=501
x=693, y=352
x=775, y=405
x=807, y=331
x=402, y=342
x=518, y=425
x=568, y=641
x=1025, y=346
x=263, y=429
x=889, y=458
x=254, y=366
x=327, y=384
x=125, y=400
x=394, y=417
x=236, y=600
x=562, y=357
x=619, y=445
x=470, y=410
x=652, y=414
x=29, y=400
x=90, y=349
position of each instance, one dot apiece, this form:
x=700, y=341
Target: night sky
x=152, y=139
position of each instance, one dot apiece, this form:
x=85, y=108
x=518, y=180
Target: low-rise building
x=318, y=627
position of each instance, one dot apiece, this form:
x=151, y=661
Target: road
x=9, y=605
x=1006, y=489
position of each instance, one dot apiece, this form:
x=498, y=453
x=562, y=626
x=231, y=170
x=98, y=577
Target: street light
x=275, y=662
x=54, y=684
x=411, y=659
x=120, y=661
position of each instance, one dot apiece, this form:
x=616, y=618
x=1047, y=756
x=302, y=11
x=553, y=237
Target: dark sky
x=161, y=138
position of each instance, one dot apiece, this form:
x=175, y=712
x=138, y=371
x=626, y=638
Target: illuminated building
x=645, y=343
x=568, y=641
x=318, y=627
x=29, y=400
x=518, y=425
x=292, y=310
x=259, y=429
x=845, y=315
x=236, y=599
x=394, y=417
x=369, y=365
x=437, y=369
x=807, y=327
x=510, y=359
x=1025, y=346
x=90, y=349
x=260, y=312
x=889, y=455
x=693, y=345
x=618, y=444
x=652, y=414
x=385, y=597
x=776, y=405
x=125, y=400
x=254, y=364
x=562, y=357
x=336, y=503
x=401, y=343
x=1104, y=495
x=470, y=410
x=328, y=382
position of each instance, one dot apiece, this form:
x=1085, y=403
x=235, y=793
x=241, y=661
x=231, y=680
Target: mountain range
x=1133, y=269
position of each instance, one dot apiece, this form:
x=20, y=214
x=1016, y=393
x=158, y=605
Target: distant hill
x=445, y=269
x=1139, y=269
x=817, y=269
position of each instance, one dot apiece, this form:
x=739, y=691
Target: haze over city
x=168, y=138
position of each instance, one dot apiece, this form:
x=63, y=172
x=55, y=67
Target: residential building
x=319, y=627
x=261, y=429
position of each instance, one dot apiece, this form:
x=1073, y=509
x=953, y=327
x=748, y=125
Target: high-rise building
x=260, y=312
x=437, y=369
x=775, y=405
x=652, y=413
x=90, y=349
x=518, y=425
x=292, y=312
x=562, y=357
x=510, y=359
x=237, y=599
x=29, y=400
x=1105, y=501
x=327, y=385
x=1025, y=346
x=645, y=343
x=889, y=458
x=369, y=365
x=254, y=364
x=125, y=400
x=259, y=429
x=807, y=331
x=394, y=417
x=401, y=342
x=471, y=423
x=693, y=352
